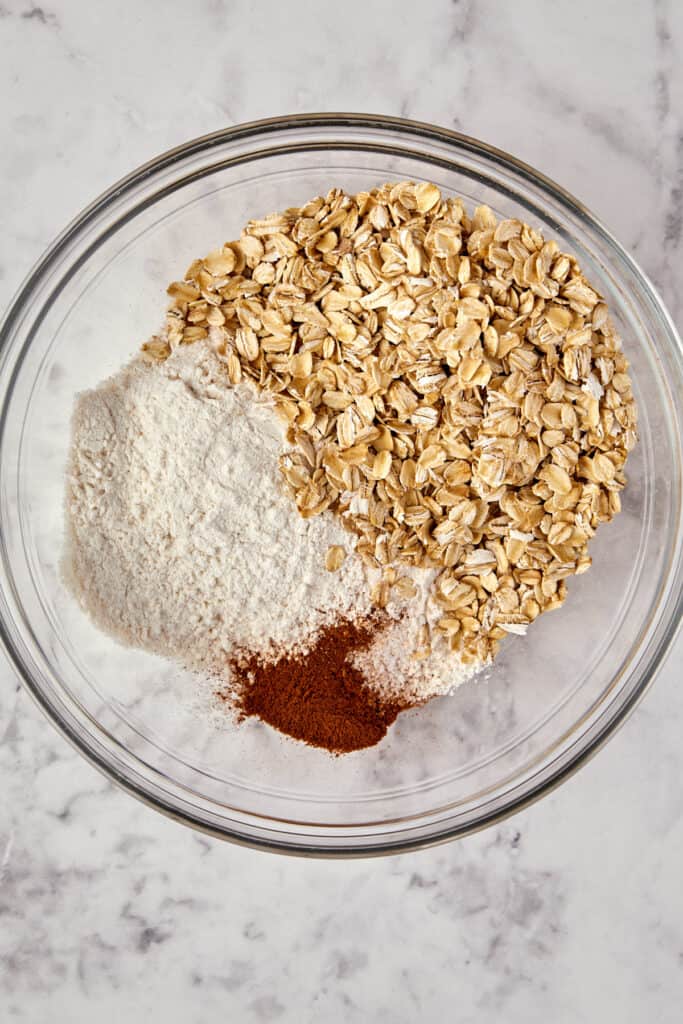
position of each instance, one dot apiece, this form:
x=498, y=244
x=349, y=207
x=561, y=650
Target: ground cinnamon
x=318, y=696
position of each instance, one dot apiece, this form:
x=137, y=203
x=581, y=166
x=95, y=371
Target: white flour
x=181, y=540
x=390, y=656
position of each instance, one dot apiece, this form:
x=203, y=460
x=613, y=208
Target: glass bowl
x=462, y=762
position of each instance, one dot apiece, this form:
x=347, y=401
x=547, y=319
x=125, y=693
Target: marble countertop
x=571, y=911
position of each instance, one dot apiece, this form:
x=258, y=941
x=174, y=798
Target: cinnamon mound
x=318, y=696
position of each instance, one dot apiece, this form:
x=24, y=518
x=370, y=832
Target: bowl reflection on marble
x=462, y=762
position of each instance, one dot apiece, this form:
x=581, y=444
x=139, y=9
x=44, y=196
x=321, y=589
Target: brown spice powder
x=318, y=696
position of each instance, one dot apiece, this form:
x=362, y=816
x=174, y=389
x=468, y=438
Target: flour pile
x=181, y=540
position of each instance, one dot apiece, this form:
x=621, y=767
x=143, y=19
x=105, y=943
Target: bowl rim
x=260, y=129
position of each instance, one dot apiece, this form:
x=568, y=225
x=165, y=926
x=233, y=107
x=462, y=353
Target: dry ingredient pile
x=181, y=538
x=373, y=437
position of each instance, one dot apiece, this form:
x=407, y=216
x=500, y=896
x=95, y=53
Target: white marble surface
x=573, y=910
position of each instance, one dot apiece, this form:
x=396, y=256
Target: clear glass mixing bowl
x=461, y=762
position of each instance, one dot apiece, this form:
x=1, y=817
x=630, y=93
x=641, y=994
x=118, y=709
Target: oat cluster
x=453, y=388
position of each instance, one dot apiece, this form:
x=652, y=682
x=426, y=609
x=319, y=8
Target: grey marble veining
x=573, y=910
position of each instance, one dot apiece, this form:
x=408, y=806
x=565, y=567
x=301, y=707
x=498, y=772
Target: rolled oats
x=334, y=559
x=452, y=387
